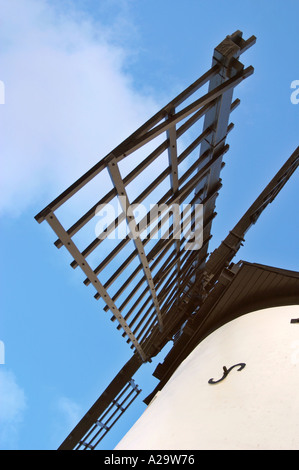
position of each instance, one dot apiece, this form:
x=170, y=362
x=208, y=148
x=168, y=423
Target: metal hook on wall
x=226, y=371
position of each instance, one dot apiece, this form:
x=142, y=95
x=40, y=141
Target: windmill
x=168, y=288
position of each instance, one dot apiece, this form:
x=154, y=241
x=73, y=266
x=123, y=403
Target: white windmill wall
x=256, y=408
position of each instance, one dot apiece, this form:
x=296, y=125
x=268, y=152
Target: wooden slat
x=73, y=250
x=125, y=203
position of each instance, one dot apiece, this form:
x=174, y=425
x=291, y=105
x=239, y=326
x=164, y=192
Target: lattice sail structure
x=110, y=417
x=168, y=175
x=153, y=203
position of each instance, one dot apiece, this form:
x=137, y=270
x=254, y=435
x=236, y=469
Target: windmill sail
x=155, y=273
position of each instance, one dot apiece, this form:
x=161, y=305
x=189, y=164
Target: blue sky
x=79, y=77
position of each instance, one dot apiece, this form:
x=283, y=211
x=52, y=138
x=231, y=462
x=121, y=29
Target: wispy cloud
x=70, y=410
x=68, y=101
x=67, y=413
x=12, y=408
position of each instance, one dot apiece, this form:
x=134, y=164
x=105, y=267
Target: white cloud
x=68, y=101
x=12, y=407
x=65, y=416
x=71, y=412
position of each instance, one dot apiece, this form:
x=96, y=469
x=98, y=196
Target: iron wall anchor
x=241, y=366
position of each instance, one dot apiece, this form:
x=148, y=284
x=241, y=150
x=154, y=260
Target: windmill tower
x=161, y=285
